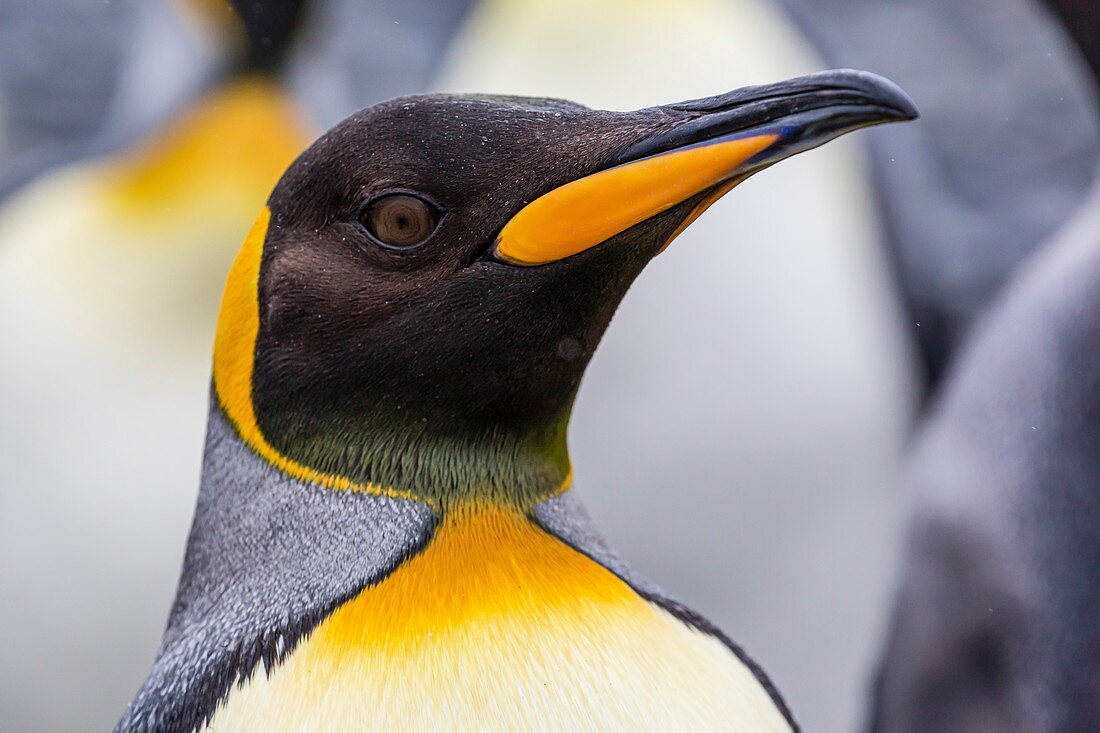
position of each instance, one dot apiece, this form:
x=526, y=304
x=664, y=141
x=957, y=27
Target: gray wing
x=997, y=627
x=254, y=583
x=1005, y=149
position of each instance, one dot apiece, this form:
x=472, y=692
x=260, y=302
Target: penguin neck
x=429, y=458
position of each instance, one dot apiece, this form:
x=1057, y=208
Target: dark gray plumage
x=253, y=584
x=998, y=620
x=1005, y=151
x=566, y=518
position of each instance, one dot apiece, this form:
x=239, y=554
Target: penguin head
x=433, y=275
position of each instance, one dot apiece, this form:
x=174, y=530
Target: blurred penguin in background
x=996, y=625
x=1005, y=152
x=110, y=272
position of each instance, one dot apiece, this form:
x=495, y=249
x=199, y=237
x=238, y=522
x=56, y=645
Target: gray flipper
x=564, y=517
x=1005, y=149
x=997, y=625
x=253, y=584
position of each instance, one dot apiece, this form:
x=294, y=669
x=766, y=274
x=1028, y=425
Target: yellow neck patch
x=496, y=625
x=234, y=359
x=482, y=563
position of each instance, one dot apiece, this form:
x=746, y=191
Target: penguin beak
x=710, y=146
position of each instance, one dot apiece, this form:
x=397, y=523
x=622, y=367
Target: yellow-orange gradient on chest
x=496, y=625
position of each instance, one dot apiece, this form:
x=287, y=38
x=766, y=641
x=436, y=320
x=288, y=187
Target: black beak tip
x=878, y=90
x=810, y=109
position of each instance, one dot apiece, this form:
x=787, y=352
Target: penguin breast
x=497, y=625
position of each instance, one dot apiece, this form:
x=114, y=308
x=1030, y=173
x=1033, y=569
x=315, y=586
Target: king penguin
x=385, y=536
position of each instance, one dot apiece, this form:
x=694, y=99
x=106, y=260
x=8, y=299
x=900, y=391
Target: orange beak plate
x=590, y=210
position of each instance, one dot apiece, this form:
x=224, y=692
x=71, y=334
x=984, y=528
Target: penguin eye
x=399, y=221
